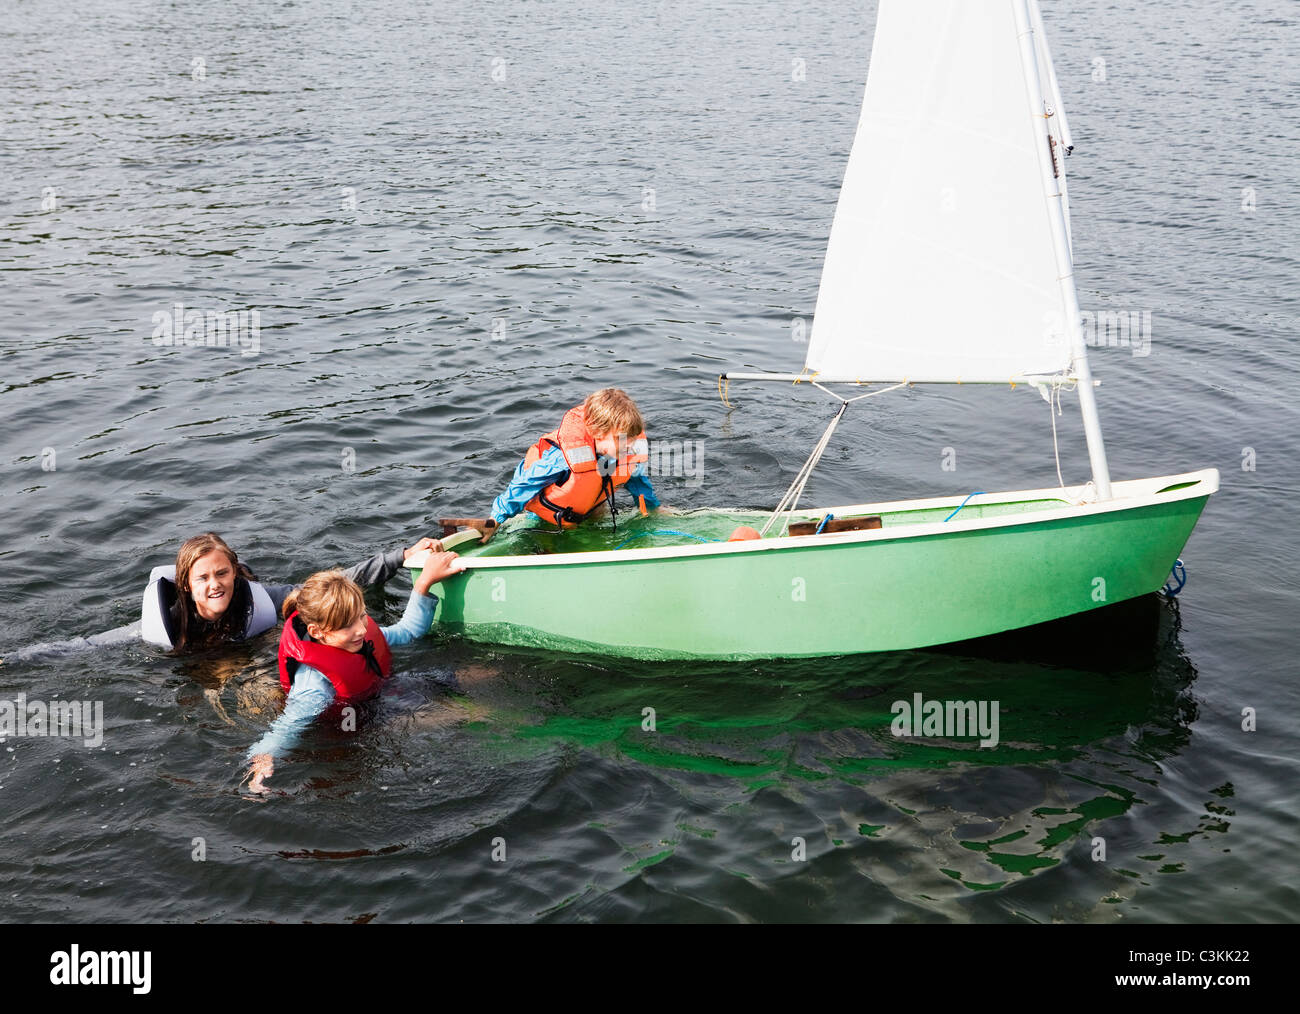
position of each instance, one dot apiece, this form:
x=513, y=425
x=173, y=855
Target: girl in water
x=208, y=597
x=332, y=651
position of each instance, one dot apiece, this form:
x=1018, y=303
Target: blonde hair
x=329, y=599
x=611, y=411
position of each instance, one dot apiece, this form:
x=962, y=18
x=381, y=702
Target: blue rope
x=664, y=531
x=1179, y=574
x=962, y=504
x=828, y=517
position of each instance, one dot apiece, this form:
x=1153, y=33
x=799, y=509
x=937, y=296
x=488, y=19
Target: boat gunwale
x=1203, y=483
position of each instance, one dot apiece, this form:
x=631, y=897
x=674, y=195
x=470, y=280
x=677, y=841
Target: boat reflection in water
x=1083, y=731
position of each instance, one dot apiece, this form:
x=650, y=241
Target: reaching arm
x=378, y=569
x=415, y=622
x=312, y=693
x=528, y=481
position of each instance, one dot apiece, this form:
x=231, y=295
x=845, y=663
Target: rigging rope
x=790, y=501
x=1179, y=574
x=1054, y=409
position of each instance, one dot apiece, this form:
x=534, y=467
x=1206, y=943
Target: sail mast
x=1057, y=122
x=1036, y=98
x=1063, y=126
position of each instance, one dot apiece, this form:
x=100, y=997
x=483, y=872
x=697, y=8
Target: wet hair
x=192, y=630
x=329, y=599
x=611, y=411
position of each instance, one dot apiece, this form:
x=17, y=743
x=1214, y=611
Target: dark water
x=503, y=259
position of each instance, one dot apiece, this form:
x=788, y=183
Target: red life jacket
x=355, y=675
x=566, y=503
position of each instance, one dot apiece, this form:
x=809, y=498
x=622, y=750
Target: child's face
x=608, y=444
x=349, y=638
x=212, y=583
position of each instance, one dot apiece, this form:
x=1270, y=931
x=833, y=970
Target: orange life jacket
x=566, y=503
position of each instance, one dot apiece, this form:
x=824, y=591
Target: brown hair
x=329, y=598
x=231, y=625
x=611, y=411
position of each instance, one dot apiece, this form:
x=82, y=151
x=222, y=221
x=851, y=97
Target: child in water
x=331, y=650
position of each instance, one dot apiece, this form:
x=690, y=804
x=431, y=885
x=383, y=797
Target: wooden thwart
x=837, y=525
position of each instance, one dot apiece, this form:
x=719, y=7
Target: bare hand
x=263, y=767
x=432, y=545
x=437, y=568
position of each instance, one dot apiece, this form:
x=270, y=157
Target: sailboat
x=939, y=270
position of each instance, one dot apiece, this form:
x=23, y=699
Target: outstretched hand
x=437, y=568
x=432, y=545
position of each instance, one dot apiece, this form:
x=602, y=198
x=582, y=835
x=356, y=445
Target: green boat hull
x=1004, y=562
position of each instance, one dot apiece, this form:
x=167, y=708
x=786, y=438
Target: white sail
x=941, y=264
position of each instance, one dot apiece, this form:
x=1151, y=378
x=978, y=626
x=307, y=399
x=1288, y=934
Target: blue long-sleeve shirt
x=551, y=467
x=312, y=692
